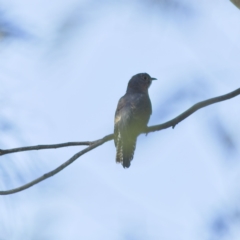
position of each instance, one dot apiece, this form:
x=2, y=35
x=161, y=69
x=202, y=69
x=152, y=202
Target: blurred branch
x=236, y=3
x=91, y=145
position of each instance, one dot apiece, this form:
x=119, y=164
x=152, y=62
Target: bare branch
x=172, y=123
x=61, y=167
x=40, y=147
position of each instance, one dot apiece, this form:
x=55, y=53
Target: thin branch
x=40, y=147
x=60, y=168
x=172, y=123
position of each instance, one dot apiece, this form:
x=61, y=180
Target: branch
x=172, y=123
x=40, y=147
x=91, y=145
x=61, y=167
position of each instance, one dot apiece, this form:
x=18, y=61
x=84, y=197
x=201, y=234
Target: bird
x=131, y=117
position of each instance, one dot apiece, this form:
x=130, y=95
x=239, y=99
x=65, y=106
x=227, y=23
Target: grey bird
x=131, y=117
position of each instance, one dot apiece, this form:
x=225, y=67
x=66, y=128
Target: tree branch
x=40, y=147
x=61, y=167
x=91, y=145
x=172, y=123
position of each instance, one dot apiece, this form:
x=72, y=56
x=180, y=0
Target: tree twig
x=91, y=145
x=61, y=167
x=40, y=147
x=172, y=123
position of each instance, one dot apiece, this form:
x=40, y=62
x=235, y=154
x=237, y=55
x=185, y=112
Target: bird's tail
x=125, y=151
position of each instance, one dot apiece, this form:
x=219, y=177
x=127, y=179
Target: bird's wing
x=132, y=114
x=124, y=112
x=124, y=140
x=124, y=115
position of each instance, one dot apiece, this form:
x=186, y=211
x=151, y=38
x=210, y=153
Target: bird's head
x=140, y=83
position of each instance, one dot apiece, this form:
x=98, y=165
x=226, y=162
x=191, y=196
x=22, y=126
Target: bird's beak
x=153, y=78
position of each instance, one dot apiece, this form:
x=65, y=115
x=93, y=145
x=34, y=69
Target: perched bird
x=131, y=117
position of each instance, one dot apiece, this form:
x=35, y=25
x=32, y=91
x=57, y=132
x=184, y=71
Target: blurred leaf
x=220, y=226
x=223, y=136
x=178, y=6
x=224, y=224
x=193, y=91
x=236, y=3
x=9, y=29
x=5, y=125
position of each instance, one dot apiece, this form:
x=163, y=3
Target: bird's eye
x=145, y=78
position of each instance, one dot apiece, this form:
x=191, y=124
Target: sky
x=63, y=67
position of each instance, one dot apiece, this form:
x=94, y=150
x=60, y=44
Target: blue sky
x=63, y=67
